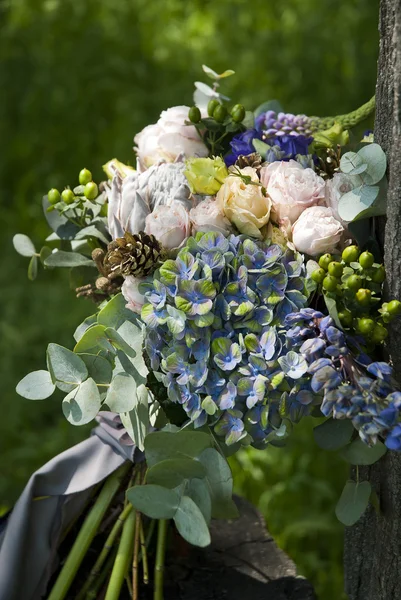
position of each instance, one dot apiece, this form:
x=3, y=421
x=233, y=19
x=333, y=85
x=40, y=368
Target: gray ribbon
x=54, y=496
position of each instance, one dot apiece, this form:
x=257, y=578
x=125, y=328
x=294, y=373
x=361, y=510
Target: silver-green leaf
x=37, y=385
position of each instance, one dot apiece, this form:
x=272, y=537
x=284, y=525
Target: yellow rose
x=244, y=204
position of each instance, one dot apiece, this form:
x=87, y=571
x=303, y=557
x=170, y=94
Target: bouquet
x=238, y=287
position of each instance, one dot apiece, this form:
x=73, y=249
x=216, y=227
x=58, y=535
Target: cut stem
x=122, y=559
x=160, y=554
x=87, y=533
x=144, y=554
x=135, y=559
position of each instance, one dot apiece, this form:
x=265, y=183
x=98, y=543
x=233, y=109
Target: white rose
x=169, y=224
x=130, y=290
x=291, y=189
x=207, y=216
x=169, y=138
x=336, y=187
x=316, y=231
x=244, y=204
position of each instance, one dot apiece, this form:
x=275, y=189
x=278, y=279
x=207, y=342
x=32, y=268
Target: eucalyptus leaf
x=119, y=342
x=33, y=268
x=82, y=404
x=154, y=501
x=353, y=502
x=99, y=368
x=219, y=477
x=332, y=309
x=359, y=453
x=80, y=330
x=352, y=163
x=23, y=245
x=261, y=147
x=199, y=491
x=173, y=471
x=191, y=523
x=93, y=341
x=114, y=314
x=37, y=385
x=96, y=231
x=375, y=158
x=121, y=395
x=333, y=434
x=44, y=253
x=354, y=204
x=161, y=445
x=64, y=229
x=136, y=421
x=60, y=258
x=67, y=369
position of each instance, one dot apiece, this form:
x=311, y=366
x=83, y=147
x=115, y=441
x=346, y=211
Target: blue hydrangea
x=213, y=318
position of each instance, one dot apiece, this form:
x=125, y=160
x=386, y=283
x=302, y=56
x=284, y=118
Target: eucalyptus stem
x=135, y=559
x=86, y=534
x=144, y=554
x=122, y=559
x=105, y=550
x=160, y=554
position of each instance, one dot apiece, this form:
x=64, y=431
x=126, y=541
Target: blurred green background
x=77, y=80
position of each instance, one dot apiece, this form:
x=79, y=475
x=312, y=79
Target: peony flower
x=169, y=138
x=291, y=189
x=131, y=292
x=134, y=197
x=169, y=224
x=316, y=231
x=207, y=216
x=205, y=175
x=244, y=204
x=335, y=188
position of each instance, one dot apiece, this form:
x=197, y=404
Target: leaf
x=121, y=396
x=82, y=404
x=136, y=421
x=64, y=229
x=67, y=369
x=375, y=159
x=333, y=433
x=133, y=336
x=44, y=253
x=118, y=341
x=173, y=471
x=93, y=341
x=359, y=453
x=93, y=231
x=161, y=445
x=198, y=490
x=352, y=163
x=353, y=502
x=191, y=523
x=332, y=309
x=269, y=105
x=154, y=501
x=261, y=147
x=80, y=330
x=220, y=481
x=354, y=204
x=98, y=368
x=33, y=268
x=215, y=76
x=23, y=245
x=114, y=313
x=68, y=259
x=37, y=385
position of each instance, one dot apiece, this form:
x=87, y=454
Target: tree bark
x=372, y=555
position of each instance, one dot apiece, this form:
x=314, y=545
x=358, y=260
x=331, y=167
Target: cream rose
x=244, y=204
x=291, y=189
x=207, y=216
x=169, y=224
x=316, y=231
x=130, y=290
x=169, y=138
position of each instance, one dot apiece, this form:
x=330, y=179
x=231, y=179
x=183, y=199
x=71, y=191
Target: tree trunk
x=372, y=556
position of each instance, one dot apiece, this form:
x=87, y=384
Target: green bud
x=363, y=297
x=379, y=274
x=394, y=308
x=330, y=283
x=219, y=113
x=205, y=175
x=366, y=326
x=194, y=114
x=379, y=334
x=350, y=254
x=67, y=196
x=53, y=196
x=345, y=318
x=85, y=176
x=335, y=269
x=211, y=106
x=366, y=260
x=91, y=191
x=325, y=260
x=330, y=138
x=354, y=282
x=116, y=165
x=238, y=113
x=318, y=275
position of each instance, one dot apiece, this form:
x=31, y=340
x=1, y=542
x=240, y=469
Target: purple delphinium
x=283, y=147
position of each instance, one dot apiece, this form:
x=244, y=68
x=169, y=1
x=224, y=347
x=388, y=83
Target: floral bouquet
x=238, y=289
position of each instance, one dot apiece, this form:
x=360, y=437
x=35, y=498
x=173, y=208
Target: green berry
x=318, y=275
x=394, y=308
x=91, y=192
x=379, y=274
x=354, y=282
x=85, y=176
x=330, y=283
x=363, y=297
x=211, y=106
x=379, y=333
x=238, y=113
x=68, y=196
x=53, y=196
x=219, y=113
x=325, y=260
x=335, y=269
x=366, y=326
x=345, y=317
x=350, y=254
x=366, y=260
x=194, y=114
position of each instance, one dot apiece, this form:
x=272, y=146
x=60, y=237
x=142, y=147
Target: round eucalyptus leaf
x=333, y=434
x=191, y=523
x=160, y=445
x=198, y=490
x=82, y=404
x=351, y=163
x=355, y=204
x=44, y=253
x=67, y=369
x=373, y=155
x=219, y=478
x=68, y=259
x=121, y=395
x=23, y=245
x=37, y=385
x=353, y=502
x=114, y=313
x=172, y=472
x=359, y=453
x=154, y=501
x=98, y=368
x=33, y=268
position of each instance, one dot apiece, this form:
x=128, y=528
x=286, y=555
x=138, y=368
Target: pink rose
x=291, y=189
x=206, y=216
x=169, y=224
x=169, y=138
x=130, y=290
x=316, y=231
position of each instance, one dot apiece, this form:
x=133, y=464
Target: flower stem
x=93, y=593
x=105, y=551
x=144, y=554
x=122, y=559
x=135, y=559
x=86, y=534
x=160, y=553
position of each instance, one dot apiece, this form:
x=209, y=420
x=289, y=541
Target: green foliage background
x=77, y=80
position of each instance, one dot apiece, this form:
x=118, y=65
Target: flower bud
x=91, y=190
x=219, y=113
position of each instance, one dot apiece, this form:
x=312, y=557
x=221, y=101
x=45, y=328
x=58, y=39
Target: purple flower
x=241, y=145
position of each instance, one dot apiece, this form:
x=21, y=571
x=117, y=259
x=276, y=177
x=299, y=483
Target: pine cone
x=253, y=160
x=136, y=255
x=329, y=164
